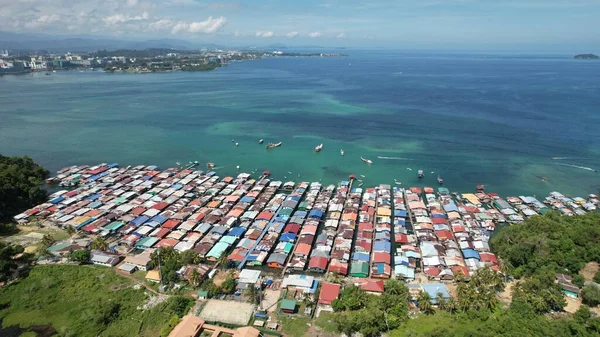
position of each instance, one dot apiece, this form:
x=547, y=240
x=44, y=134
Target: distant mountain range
x=80, y=44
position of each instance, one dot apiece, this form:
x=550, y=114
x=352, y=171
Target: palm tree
x=424, y=303
x=100, y=244
x=47, y=241
x=70, y=230
x=441, y=301
x=195, y=277
x=223, y=262
x=451, y=305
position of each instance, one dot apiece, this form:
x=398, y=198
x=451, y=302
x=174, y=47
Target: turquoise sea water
x=502, y=121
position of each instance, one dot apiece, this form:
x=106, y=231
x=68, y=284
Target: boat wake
x=577, y=166
x=393, y=158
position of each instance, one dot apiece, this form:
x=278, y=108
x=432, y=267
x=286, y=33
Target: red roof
x=375, y=286
x=382, y=257
x=488, y=257
x=338, y=267
x=329, y=292
x=264, y=216
x=432, y=271
x=171, y=223
x=318, y=262
x=439, y=221
x=167, y=243
x=292, y=228
x=162, y=233
x=444, y=235
x=160, y=205
x=456, y=270
x=401, y=238
x=137, y=211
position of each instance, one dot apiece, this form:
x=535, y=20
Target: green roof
x=544, y=210
x=202, y=293
x=443, y=191
x=58, y=246
x=113, y=226
x=303, y=205
x=359, y=269
x=120, y=200
x=288, y=247
x=228, y=239
x=218, y=250
x=286, y=211
x=288, y=305
x=146, y=242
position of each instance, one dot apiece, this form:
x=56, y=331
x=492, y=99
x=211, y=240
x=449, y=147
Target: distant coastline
x=586, y=57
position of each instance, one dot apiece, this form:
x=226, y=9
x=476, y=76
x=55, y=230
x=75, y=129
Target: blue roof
x=384, y=246
x=315, y=213
x=450, y=207
x=159, y=218
x=294, y=197
x=380, y=267
x=113, y=165
x=57, y=200
x=301, y=214
x=400, y=221
x=400, y=213
x=237, y=232
x=176, y=186
x=139, y=220
x=95, y=204
x=247, y=199
x=403, y=260
x=361, y=256
x=147, y=178
x=152, y=167
x=97, y=176
x=433, y=289
x=288, y=237
x=470, y=254
x=344, y=183
x=93, y=197
x=438, y=215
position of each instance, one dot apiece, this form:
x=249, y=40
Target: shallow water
x=474, y=119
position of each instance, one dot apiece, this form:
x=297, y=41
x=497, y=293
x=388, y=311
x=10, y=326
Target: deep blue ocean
x=518, y=124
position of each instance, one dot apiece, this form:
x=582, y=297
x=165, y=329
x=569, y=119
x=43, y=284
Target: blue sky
x=420, y=24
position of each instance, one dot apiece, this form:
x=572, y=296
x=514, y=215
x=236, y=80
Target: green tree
x=578, y=280
x=100, y=243
x=179, y=305
x=194, y=277
x=81, y=256
x=590, y=295
x=441, y=301
x=424, y=303
x=21, y=181
x=597, y=277
x=253, y=295
x=47, y=241
x=541, y=292
x=8, y=263
x=189, y=257
x=228, y=286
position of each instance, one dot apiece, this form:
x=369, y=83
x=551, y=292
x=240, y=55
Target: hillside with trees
x=21, y=185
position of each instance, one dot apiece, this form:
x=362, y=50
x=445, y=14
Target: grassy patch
x=325, y=322
x=82, y=301
x=294, y=326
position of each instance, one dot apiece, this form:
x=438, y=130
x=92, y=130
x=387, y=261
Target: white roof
x=299, y=281
x=249, y=276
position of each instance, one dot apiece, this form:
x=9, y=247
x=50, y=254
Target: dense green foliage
x=480, y=292
x=540, y=292
x=591, y=295
x=170, y=261
x=519, y=320
x=81, y=256
x=597, y=277
x=21, y=188
x=84, y=301
x=10, y=258
x=561, y=243
x=368, y=314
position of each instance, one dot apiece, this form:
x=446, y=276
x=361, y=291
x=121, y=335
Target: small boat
x=319, y=147
x=420, y=174
x=51, y=181
x=210, y=166
x=362, y=176
x=237, y=144
x=440, y=180
x=397, y=183
x=368, y=161
x=342, y=152
x=273, y=145
x=360, y=185
x=261, y=141
x=238, y=167
x=408, y=168
x=480, y=188
x=233, y=140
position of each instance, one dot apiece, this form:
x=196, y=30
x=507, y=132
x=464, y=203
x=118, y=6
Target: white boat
x=319, y=147
x=342, y=152
x=368, y=161
x=261, y=141
x=420, y=174
x=273, y=145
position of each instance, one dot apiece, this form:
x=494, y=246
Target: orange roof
x=213, y=204
x=236, y=213
x=303, y=249
x=228, y=179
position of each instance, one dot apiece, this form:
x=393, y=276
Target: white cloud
x=42, y=20
x=209, y=26
x=237, y=33
x=161, y=24
x=292, y=34
x=121, y=18
x=132, y=3
x=265, y=34
x=341, y=36
x=314, y=34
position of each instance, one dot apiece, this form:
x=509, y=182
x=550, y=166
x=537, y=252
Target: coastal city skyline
x=529, y=25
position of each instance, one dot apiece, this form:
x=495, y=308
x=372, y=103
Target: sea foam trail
x=393, y=158
x=576, y=166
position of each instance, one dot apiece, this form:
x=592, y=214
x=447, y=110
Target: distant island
x=586, y=57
